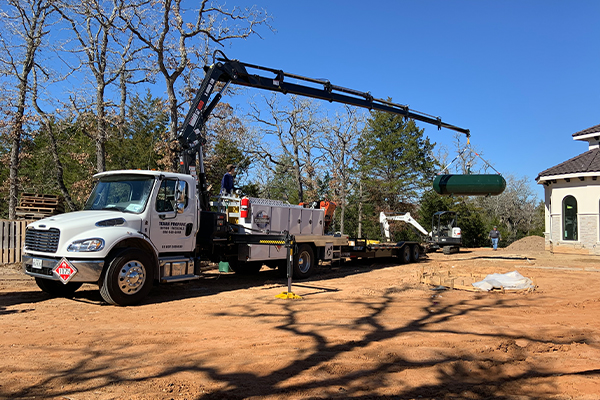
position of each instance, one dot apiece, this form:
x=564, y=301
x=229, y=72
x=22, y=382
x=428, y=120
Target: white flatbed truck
x=143, y=227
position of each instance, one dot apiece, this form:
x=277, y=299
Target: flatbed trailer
x=405, y=251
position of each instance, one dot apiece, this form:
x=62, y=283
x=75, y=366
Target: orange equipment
x=329, y=208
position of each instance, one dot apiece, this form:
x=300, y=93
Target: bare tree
x=339, y=147
x=25, y=24
x=296, y=129
x=225, y=137
x=167, y=28
x=127, y=77
x=47, y=125
x=466, y=158
x=105, y=51
x=515, y=208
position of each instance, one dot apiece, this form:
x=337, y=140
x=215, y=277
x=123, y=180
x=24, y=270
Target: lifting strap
x=468, y=147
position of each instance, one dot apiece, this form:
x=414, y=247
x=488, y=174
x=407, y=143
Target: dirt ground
x=364, y=330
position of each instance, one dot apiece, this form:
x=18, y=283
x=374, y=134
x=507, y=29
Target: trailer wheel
x=304, y=262
x=58, y=289
x=128, y=278
x=405, y=255
x=415, y=253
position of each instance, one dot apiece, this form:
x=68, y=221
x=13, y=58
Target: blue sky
x=523, y=76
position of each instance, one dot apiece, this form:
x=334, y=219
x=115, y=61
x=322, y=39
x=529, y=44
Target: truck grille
x=42, y=240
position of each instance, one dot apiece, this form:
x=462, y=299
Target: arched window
x=569, y=218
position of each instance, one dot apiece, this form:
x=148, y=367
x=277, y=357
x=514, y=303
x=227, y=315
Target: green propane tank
x=469, y=185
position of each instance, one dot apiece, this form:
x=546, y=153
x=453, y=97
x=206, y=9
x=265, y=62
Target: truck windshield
x=127, y=193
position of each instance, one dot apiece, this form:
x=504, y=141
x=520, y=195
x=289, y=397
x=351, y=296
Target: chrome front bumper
x=87, y=270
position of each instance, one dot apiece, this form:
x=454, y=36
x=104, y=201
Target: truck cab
x=136, y=227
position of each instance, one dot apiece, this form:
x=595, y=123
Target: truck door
x=172, y=228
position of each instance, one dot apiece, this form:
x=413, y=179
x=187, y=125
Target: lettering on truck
x=172, y=228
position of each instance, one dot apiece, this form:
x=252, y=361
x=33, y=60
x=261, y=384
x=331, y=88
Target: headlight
x=87, y=245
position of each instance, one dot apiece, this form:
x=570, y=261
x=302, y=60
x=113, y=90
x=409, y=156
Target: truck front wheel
x=58, y=289
x=304, y=262
x=128, y=278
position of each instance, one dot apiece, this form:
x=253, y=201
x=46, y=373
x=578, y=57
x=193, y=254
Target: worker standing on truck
x=495, y=236
x=227, y=181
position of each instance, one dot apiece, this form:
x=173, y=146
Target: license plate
x=37, y=263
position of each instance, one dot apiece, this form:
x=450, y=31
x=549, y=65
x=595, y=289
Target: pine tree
x=395, y=164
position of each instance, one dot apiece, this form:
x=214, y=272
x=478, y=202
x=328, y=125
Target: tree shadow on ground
x=211, y=282
x=496, y=257
x=214, y=282
x=11, y=299
x=460, y=374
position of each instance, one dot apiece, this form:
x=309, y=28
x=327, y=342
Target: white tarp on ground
x=509, y=281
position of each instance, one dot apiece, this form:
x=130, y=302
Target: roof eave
x=586, y=137
x=541, y=179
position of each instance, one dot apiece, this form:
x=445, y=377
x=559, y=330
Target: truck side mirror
x=180, y=199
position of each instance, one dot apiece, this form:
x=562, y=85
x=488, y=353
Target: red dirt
x=361, y=331
x=528, y=244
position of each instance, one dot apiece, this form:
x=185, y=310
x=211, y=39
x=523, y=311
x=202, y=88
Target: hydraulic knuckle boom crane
x=226, y=72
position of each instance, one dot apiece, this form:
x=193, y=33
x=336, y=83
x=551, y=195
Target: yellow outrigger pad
x=288, y=295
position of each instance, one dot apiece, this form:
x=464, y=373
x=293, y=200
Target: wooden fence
x=13, y=238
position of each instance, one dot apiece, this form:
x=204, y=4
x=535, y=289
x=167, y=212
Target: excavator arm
x=404, y=217
x=227, y=71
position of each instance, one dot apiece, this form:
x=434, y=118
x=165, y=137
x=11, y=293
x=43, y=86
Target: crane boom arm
x=232, y=71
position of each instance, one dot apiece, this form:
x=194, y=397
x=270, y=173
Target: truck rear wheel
x=128, y=278
x=304, y=262
x=405, y=254
x=57, y=288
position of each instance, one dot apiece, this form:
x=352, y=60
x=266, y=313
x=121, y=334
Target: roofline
x=565, y=176
x=587, y=136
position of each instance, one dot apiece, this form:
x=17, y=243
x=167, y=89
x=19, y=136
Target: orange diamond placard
x=65, y=270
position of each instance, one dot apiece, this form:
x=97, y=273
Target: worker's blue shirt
x=227, y=183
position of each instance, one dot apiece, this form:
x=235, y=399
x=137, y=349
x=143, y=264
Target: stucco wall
x=587, y=194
